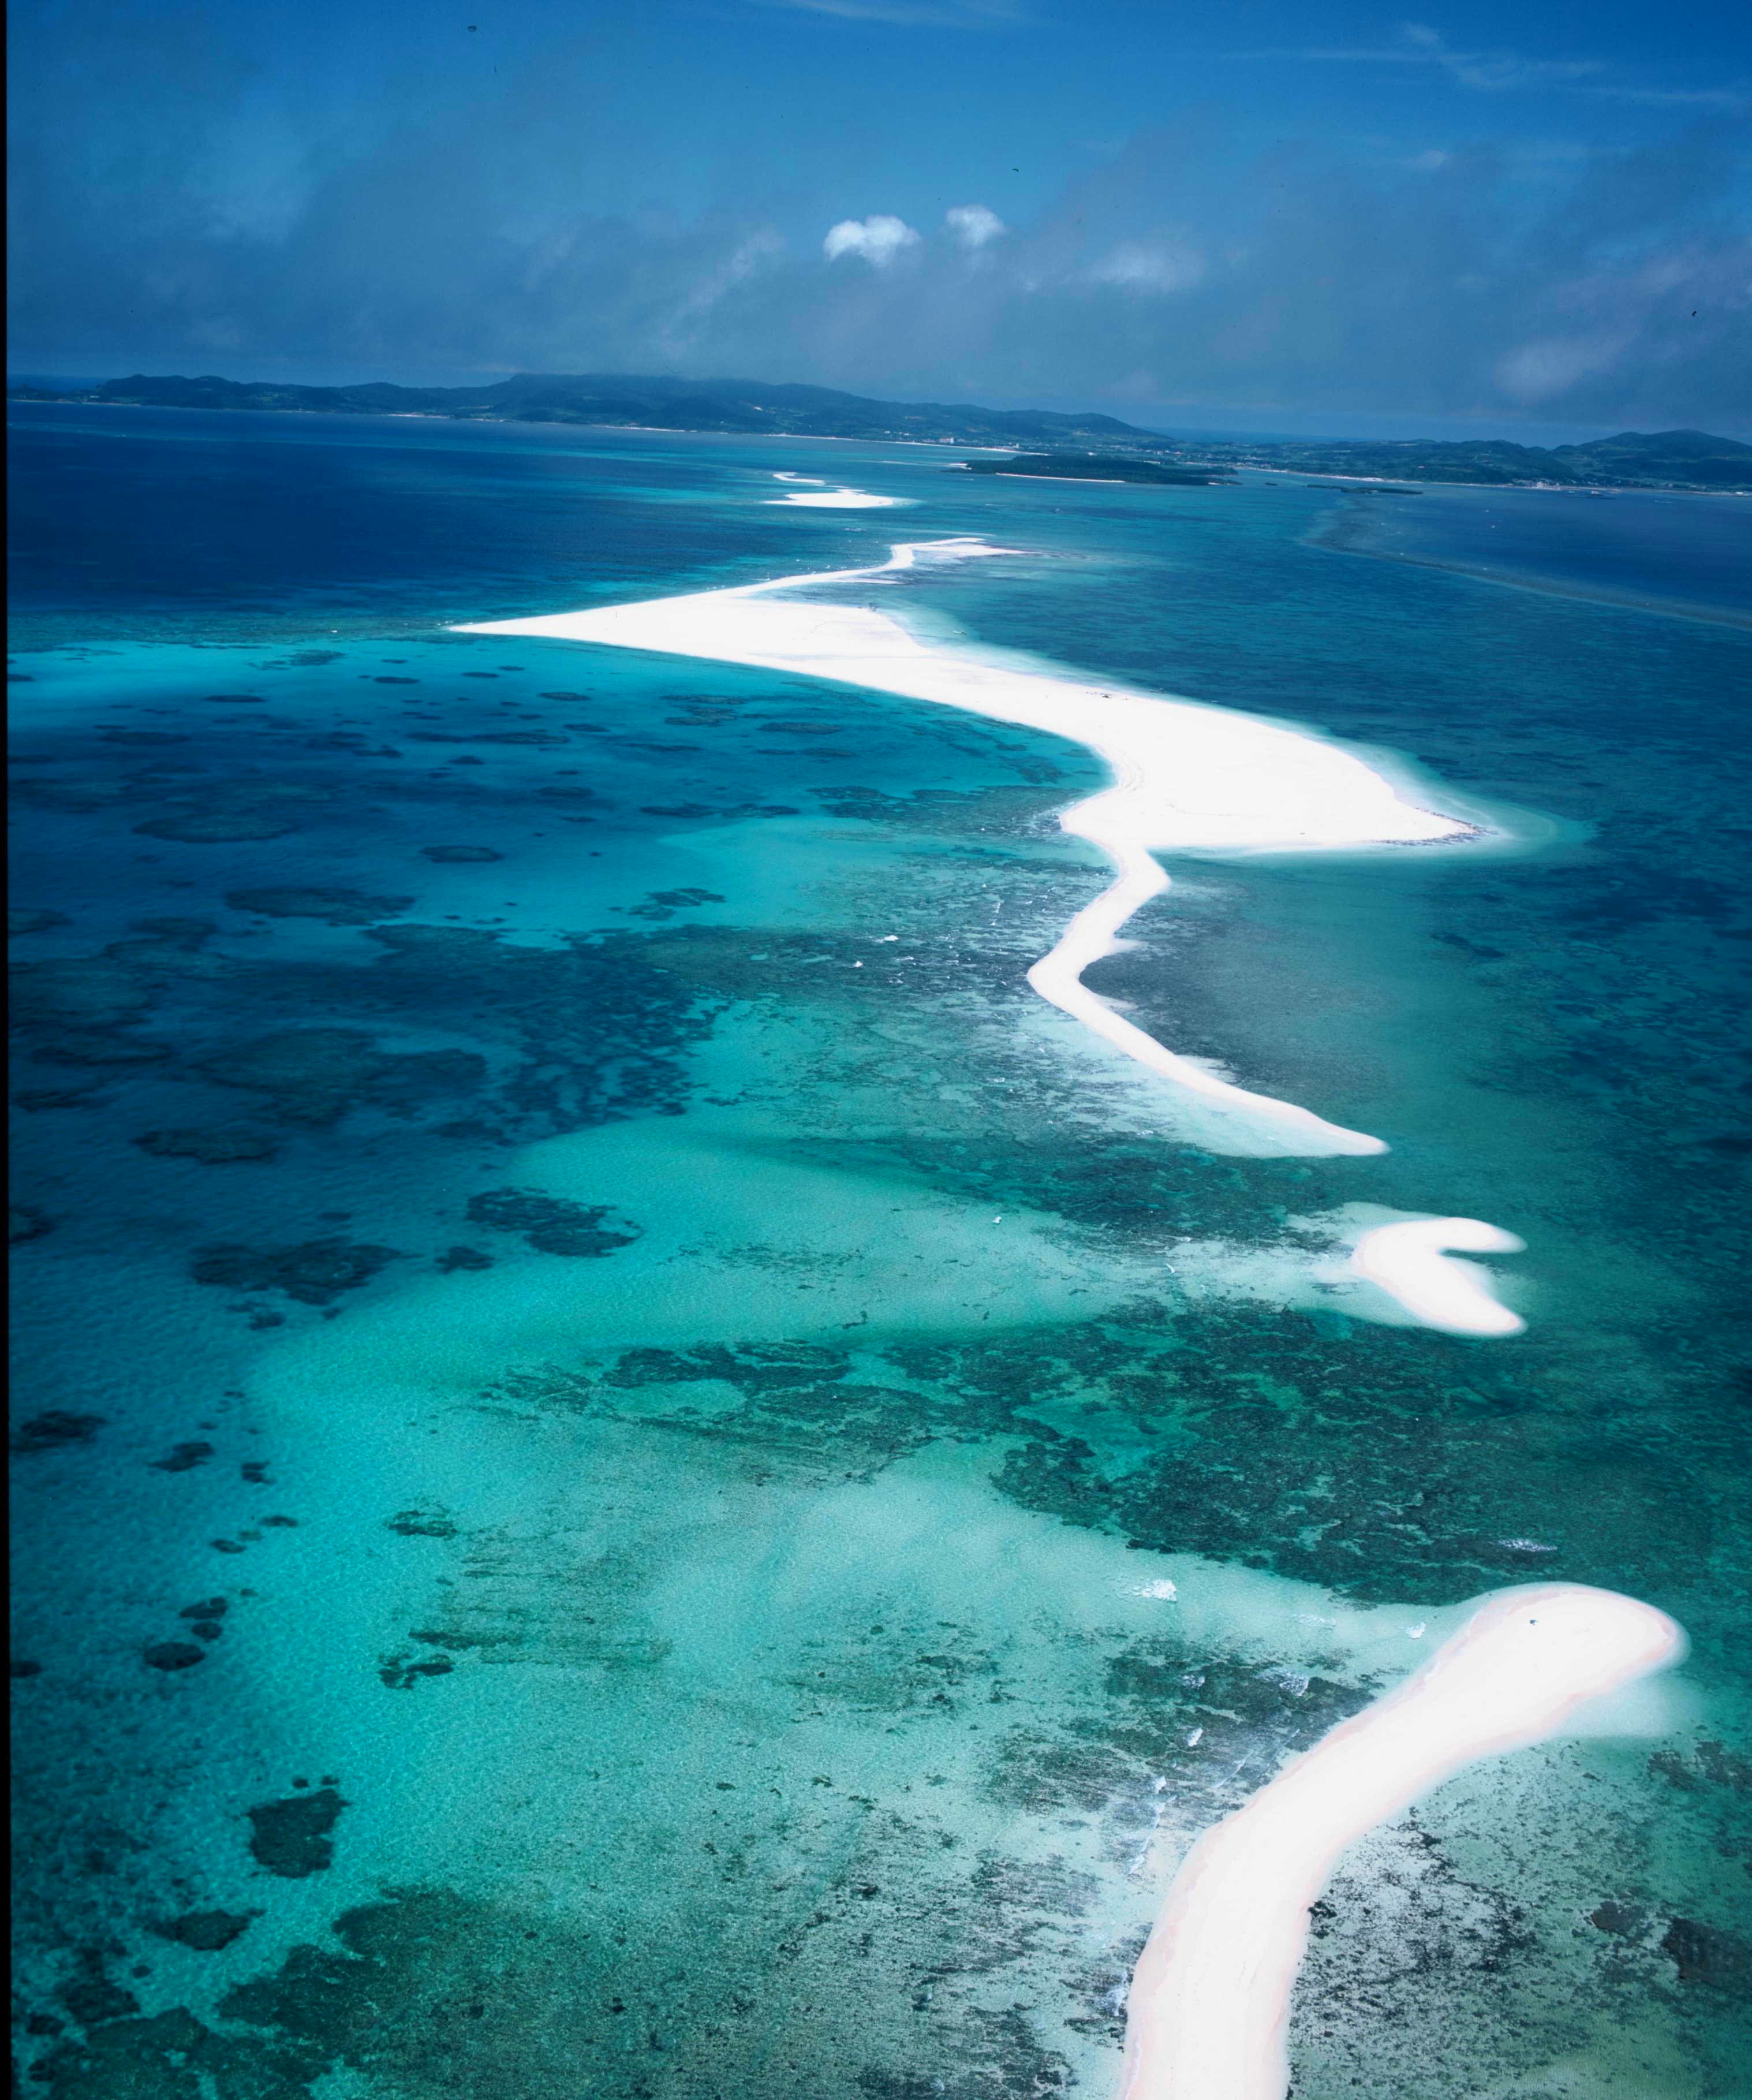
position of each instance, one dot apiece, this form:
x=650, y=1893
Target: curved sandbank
x=1410, y=1261
x=1208, y=2013
x=1397, y=1268
x=1185, y=776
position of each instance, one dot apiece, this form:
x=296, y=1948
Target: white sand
x=1410, y=1262
x=837, y=498
x=1185, y=776
x=1209, y=1999
x=1383, y=1266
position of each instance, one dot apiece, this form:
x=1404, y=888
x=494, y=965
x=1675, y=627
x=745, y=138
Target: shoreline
x=1185, y=777
x=1207, y=2013
x=1290, y=473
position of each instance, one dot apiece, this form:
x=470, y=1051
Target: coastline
x=933, y=1230
x=1208, y=2009
x=1285, y=473
x=1187, y=777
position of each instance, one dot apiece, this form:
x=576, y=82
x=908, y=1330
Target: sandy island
x=1185, y=776
x=837, y=498
x=1209, y=2003
x=1209, y=2000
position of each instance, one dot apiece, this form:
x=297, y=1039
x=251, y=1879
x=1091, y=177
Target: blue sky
x=1484, y=218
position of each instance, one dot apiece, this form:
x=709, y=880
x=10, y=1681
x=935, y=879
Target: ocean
x=651, y=1460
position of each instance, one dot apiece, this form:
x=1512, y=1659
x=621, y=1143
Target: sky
x=1530, y=220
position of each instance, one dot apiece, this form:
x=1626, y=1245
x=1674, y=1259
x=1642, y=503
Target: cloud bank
x=1606, y=287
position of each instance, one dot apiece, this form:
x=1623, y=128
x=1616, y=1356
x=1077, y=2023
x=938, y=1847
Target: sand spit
x=1185, y=776
x=835, y=499
x=840, y=499
x=1393, y=1267
x=1209, y=1999
x=1410, y=1261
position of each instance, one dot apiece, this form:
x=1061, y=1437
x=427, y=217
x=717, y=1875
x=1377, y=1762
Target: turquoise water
x=606, y=1416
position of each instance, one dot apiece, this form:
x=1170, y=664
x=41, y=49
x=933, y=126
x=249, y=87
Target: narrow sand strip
x=1184, y=775
x=1209, y=2002
x=843, y=499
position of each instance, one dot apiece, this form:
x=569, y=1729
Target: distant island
x=1095, y=466
x=1670, y=459
x=729, y=407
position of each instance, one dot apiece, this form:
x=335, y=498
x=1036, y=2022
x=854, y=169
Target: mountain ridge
x=725, y=405
x=1681, y=459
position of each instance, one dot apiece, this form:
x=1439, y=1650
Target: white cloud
x=1612, y=288
x=973, y=224
x=1150, y=267
x=878, y=239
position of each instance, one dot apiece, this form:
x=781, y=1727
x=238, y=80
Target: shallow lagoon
x=712, y=1330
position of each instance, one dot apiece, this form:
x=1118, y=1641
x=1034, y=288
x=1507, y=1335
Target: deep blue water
x=603, y=1410
x=1692, y=553
x=268, y=518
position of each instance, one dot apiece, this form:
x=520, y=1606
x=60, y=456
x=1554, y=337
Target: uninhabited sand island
x=1209, y=2008
x=1185, y=777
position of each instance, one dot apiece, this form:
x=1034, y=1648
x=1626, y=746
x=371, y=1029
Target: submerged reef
x=901, y=1843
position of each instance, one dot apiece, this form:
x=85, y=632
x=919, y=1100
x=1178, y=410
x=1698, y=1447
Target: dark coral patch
x=293, y=1837
x=56, y=1427
x=334, y=907
x=315, y=1273
x=217, y=827
x=1705, y=1954
x=207, y=1931
x=211, y=1148
x=174, y=1654
x=551, y=1224
x=316, y=1075
x=183, y=1457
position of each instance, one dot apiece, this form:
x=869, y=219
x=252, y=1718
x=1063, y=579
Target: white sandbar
x=1185, y=776
x=1410, y=1262
x=1378, y=1264
x=1209, y=2002
x=839, y=499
